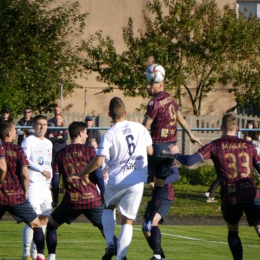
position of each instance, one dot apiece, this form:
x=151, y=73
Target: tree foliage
x=199, y=45
x=39, y=47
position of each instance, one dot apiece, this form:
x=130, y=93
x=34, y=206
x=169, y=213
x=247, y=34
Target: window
x=249, y=7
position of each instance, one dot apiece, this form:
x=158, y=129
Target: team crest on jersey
x=40, y=161
x=150, y=103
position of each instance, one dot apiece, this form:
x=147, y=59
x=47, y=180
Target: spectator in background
x=57, y=111
x=5, y=115
x=251, y=136
x=27, y=120
x=58, y=137
x=92, y=134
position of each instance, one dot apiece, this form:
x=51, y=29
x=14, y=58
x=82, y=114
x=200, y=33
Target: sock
x=38, y=238
x=108, y=223
x=27, y=240
x=157, y=256
x=155, y=240
x=162, y=254
x=33, y=247
x=155, y=202
x=124, y=240
x=51, y=239
x=52, y=257
x=235, y=245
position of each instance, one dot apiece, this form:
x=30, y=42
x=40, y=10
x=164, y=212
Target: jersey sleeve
x=152, y=109
x=207, y=150
x=2, y=152
x=105, y=144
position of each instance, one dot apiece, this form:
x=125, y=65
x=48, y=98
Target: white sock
x=52, y=257
x=157, y=256
x=108, y=223
x=27, y=240
x=124, y=240
x=33, y=247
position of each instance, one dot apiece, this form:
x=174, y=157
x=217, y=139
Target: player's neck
x=230, y=133
x=7, y=140
x=118, y=120
x=76, y=141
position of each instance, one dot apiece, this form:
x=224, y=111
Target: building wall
x=111, y=16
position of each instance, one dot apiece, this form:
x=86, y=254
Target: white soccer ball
x=155, y=73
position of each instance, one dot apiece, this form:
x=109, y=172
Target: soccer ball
x=155, y=73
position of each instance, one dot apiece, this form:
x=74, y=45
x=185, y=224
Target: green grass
x=83, y=241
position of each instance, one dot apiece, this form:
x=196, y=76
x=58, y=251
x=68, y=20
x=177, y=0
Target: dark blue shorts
x=64, y=214
x=161, y=161
x=233, y=213
x=163, y=209
x=21, y=213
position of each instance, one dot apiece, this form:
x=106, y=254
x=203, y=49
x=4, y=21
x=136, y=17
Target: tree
x=39, y=47
x=199, y=45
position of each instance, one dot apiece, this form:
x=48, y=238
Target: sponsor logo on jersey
x=40, y=161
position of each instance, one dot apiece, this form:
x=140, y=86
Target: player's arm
x=149, y=150
x=25, y=180
x=3, y=169
x=92, y=166
x=174, y=176
x=186, y=128
x=55, y=189
x=147, y=122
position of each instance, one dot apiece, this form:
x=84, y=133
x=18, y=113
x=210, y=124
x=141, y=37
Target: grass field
x=83, y=241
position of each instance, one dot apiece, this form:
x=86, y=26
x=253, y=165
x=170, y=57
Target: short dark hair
x=39, y=117
x=116, y=108
x=5, y=127
x=229, y=121
x=75, y=128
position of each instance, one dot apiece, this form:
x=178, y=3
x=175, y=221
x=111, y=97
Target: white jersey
x=125, y=145
x=39, y=155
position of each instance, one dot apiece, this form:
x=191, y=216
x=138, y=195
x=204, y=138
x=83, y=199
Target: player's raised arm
x=186, y=128
x=25, y=178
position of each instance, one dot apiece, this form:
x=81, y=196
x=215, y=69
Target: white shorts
x=128, y=198
x=40, y=198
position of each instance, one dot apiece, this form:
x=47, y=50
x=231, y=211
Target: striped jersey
x=12, y=192
x=233, y=159
x=162, y=108
x=82, y=193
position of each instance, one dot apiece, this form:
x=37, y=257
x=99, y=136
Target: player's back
x=126, y=146
x=163, y=110
x=13, y=192
x=73, y=159
x=234, y=159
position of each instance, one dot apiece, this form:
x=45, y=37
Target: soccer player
x=234, y=159
x=14, y=186
x=154, y=241
x=161, y=117
x=38, y=150
x=126, y=144
x=81, y=195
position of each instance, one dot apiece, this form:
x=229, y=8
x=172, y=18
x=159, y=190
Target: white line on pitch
x=200, y=240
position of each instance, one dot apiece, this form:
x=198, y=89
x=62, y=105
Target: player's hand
x=194, y=140
x=72, y=177
x=46, y=174
x=151, y=185
x=248, y=138
x=54, y=204
x=173, y=148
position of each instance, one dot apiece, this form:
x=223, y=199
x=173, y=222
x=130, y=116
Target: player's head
x=40, y=125
x=78, y=129
x=229, y=122
x=7, y=131
x=116, y=108
x=155, y=75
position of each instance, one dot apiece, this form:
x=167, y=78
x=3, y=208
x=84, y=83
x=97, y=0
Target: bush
x=203, y=175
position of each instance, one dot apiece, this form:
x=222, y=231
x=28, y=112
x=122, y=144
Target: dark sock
x=51, y=239
x=235, y=245
x=162, y=253
x=155, y=202
x=38, y=238
x=115, y=243
x=154, y=241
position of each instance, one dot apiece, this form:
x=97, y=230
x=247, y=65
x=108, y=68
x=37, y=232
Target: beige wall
x=110, y=16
